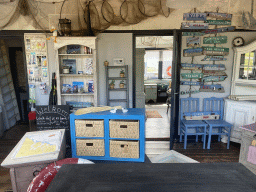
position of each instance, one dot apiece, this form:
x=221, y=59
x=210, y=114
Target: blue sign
x=194, y=16
x=190, y=83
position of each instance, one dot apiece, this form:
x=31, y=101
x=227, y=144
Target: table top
x=189, y=177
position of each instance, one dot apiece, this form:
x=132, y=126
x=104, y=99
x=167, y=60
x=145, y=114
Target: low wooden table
x=189, y=177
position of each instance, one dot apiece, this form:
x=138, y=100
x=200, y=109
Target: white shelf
x=75, y=75
x=77, y=94
x=76, y=55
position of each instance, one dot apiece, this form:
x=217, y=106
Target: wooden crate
x=89, y=128
x=90, y=147
x=124, y=149
x=124, y=129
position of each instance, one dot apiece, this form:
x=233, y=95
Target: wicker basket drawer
x=124, y=129
x=90, y=147
x=124, y=149
x=89, y=128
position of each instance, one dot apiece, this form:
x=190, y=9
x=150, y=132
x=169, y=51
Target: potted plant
x=122, y=73
x=112, y=84
x=121, y=84
x=106, y=63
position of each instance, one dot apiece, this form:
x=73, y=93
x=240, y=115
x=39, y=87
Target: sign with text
x=186, y=25
x=215, y=40
x=218, y=22
x=215, y=51
x=193, y=52
x=219, y=30
x=214, y=58
x=224, y=16
x=191, y=75
x=192, y=34
x=194, y=16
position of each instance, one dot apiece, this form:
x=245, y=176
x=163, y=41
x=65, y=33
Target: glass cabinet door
x=247, y=69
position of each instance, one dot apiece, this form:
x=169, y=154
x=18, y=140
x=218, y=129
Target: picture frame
x=118, y=61
x=80, y=72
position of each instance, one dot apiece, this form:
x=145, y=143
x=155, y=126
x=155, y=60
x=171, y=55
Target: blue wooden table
x=132, y=114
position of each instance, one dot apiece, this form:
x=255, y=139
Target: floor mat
x=153, y=114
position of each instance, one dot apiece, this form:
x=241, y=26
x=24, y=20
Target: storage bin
x=124, y=129
x=90, y=147
x=124, y=149
x=89, y=128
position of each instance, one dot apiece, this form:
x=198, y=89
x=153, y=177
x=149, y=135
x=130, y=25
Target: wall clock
x=238, y=42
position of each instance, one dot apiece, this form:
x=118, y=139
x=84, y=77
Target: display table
x=109, y=136
x=24, y=169
x=192, y=177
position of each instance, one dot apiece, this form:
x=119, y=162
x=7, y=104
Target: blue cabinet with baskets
x=109, y=136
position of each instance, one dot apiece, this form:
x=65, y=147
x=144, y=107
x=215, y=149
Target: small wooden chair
x=219, y=126
x=188, y=107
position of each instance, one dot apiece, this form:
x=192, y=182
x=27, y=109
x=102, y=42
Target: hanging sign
x=212, y=88
x=214, y=78
x=219, y=30
x=192, y=34
x=188, y=92
x=189, y=66
x=211, y=67
x=218, y=22
x=195, y=83
x=214, y=58
x=194, y=16
x=214, y=73
x=224, y=16
x=193, y=52
x=215, y=51
x=215, y=40
x=191, y=75
x=193, y=41
x=187, y=25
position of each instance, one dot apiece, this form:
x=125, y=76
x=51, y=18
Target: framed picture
x=80, y=72
x=193, y=41
x=118, y=61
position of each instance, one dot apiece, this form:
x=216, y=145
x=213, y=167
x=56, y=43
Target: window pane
x=151, y=60
x=167, y=64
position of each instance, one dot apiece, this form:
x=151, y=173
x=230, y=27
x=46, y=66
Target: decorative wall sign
x=194, y=83
x=189, y=92
x=194, y=16
x=215, y=40
x=187, y=25
x=192, y=34
x=214, y=78
x=214, y=58
x=193, y=41
x=191, y=75
x=218, y=67
x=218, y=22
x=219, y=30
x=212, y=88
x=215, y=51
x=224, y=16
x=214, y=73
x=188, y=66
x=193, y=52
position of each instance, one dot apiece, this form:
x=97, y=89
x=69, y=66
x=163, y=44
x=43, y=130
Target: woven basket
x=124, y=149
x=89, y=128
x=90, y=147
x=124, y=129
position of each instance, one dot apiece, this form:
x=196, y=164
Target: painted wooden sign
x=192, y=34
x=186, y=25
x=194, y=16
x=218, y=22
x=219, y=30
x=211, y=67
x=214, y=73
x=191, y=75
x=215, y=51
x=216, y=40
x=193, y=41
x=214, y=78
x=201, y=115
x=212, y=88
x=189, y=66
x=224, y=16
x=194, y=83
x=193, y=52
x=188, y=92
x=214, y=58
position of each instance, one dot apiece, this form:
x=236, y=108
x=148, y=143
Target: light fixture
x=184, y=4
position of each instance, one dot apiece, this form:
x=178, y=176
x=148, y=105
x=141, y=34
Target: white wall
x=248, y=37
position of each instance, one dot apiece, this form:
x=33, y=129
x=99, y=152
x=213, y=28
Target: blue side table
x=133, y=115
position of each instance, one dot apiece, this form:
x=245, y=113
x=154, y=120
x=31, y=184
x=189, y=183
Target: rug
x=153, y=114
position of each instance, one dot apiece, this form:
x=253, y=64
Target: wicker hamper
x=124, y=129
x=89, y=128
x=124, y=149
x=90, y=147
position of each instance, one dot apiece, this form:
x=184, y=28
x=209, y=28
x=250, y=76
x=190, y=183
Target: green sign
x=192, y=34
x=219, y=49
x=192, y=75
x=218, y=22
x=216, y=40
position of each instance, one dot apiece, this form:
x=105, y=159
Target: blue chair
x=189, y=107
x=218, y=126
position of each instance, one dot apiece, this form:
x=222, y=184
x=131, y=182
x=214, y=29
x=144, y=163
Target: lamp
x=184, y=4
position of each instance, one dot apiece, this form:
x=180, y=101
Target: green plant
x=122, y=71
x=112, y=82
